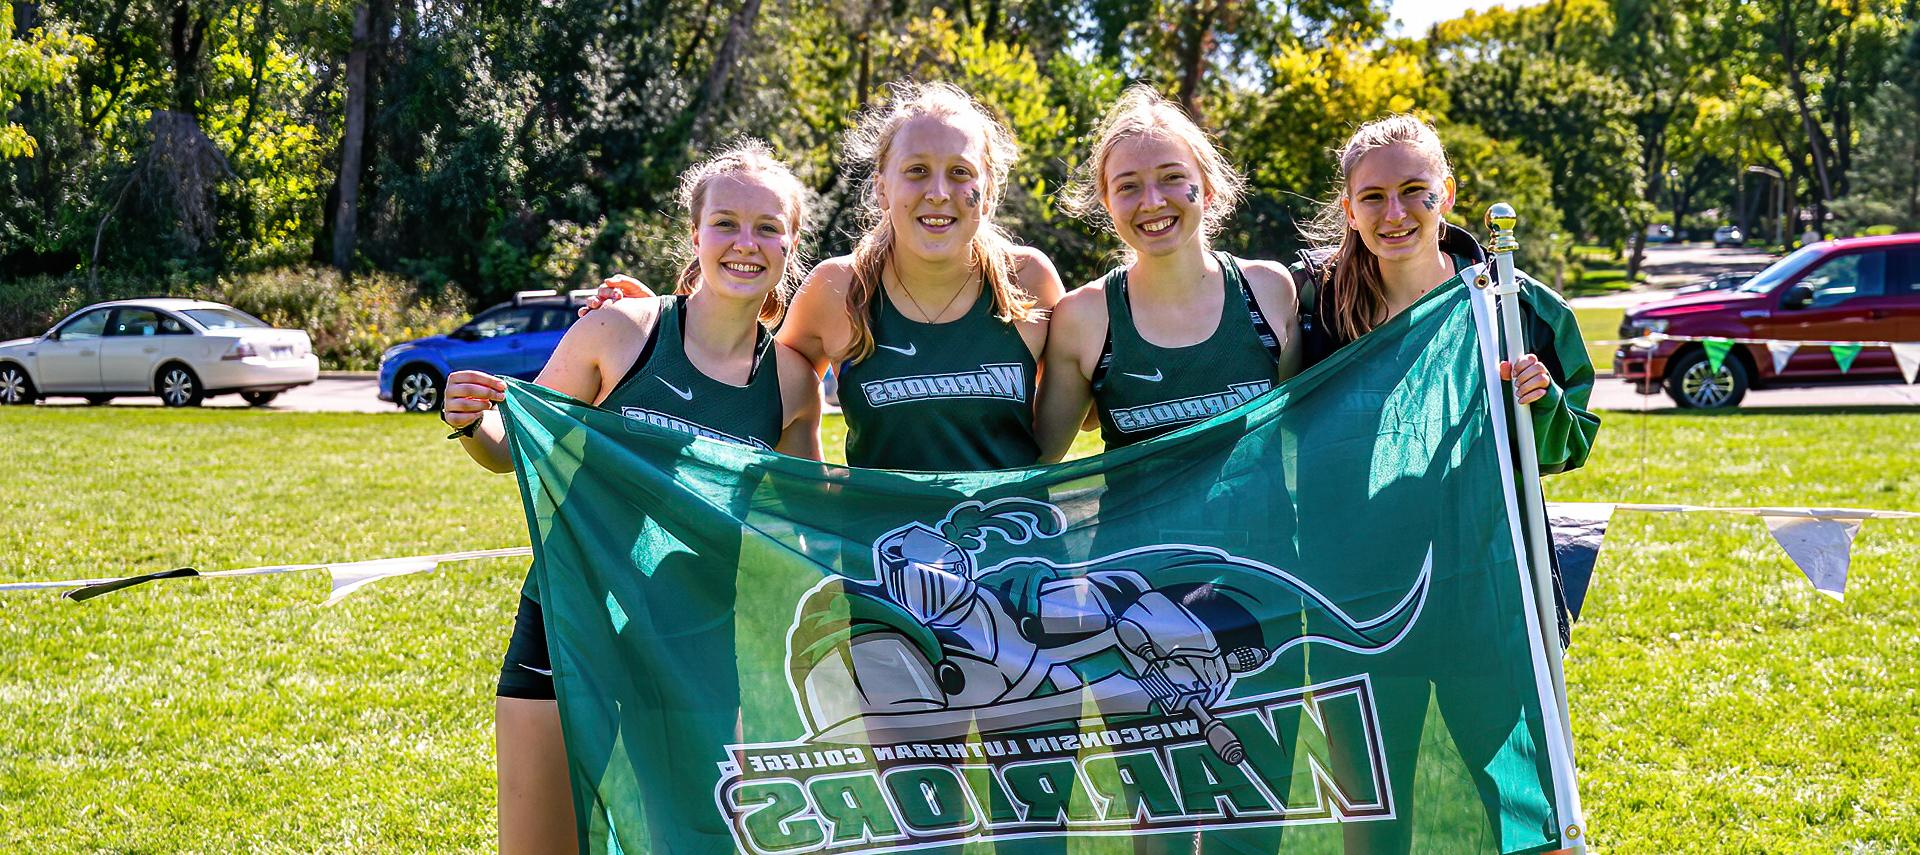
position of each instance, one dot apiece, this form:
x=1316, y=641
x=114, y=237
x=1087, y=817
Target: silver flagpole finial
x=1501, y=220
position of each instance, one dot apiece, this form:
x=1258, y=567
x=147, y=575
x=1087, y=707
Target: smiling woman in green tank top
x=1182, y=332
x=702, y=362
x=936, y=321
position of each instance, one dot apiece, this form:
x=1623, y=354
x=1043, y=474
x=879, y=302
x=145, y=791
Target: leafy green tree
x=1308, y=101
x=36, y=60
x=1887, y=177
x=1577, y=121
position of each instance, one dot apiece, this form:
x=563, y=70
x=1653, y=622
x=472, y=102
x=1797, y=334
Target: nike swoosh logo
x=683, y=393
x=1150, y=378
x=909, y=350
x=544, y=672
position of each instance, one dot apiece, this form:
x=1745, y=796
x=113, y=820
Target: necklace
x=934, y=318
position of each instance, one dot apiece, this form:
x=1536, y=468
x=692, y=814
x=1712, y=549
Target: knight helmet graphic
x=936, y=647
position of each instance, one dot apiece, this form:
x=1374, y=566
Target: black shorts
x=527, y=672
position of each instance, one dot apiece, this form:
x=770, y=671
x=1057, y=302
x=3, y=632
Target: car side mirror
x=1798, y=297
x=464, y=334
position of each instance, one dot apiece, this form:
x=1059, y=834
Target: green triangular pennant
x=1844, y=354
x=1717, y=350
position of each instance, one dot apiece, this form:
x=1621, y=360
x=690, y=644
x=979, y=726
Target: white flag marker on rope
x=336, y=569
x=348, y=578
x=1782, y=351
x=1822, y=548
x=1908, y=355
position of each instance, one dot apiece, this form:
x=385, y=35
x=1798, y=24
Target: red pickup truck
x=1853, y=289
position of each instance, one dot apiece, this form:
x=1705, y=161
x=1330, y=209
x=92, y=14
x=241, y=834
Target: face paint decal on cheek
x=1193, y=192
x=1432, y=200
x=973, y=198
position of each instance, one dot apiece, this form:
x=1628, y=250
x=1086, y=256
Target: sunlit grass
x=1720, y=705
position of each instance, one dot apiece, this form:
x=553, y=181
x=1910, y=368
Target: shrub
x=350, y=322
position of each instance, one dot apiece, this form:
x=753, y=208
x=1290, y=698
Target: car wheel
x=259, y=399
x=1692, y=383
x=15, y=386
x=97, y=400
x=178, y=387
x=418, y=390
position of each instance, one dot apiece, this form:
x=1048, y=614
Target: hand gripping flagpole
x=1501, y=220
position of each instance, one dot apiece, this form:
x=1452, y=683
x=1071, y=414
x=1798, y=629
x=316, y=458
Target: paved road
x=332, y=393
x=1670, y=266
x=357, y=395
x=1613, y=394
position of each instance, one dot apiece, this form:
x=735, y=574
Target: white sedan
x=181, y=350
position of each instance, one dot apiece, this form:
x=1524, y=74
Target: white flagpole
x=1501, y=220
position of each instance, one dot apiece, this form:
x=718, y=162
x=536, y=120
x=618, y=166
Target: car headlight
x=1637, y=327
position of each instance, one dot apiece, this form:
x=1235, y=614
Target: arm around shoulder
x=816, y=321
x=1076, y=332
x=799, y=402
x=1037, y=276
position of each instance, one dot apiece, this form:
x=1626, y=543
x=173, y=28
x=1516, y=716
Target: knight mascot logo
x=945, y=701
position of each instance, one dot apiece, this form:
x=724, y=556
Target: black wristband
x=469, y=430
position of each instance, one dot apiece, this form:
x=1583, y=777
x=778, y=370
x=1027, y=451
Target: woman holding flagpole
x=701, y=360
x=1382, y=245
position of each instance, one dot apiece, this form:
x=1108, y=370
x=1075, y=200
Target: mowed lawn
x=1720, y=705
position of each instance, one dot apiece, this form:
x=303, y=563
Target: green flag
x=1717, y=350
x=1843, y=354
x=1301, y=623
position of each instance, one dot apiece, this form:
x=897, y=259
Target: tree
x=1887, y=191
x=1827, y=54
x=352, y=145
x=1307, y=100
x=40, y=59
x=1577, y=121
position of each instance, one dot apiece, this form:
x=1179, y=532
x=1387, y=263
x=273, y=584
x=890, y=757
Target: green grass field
x=1600, y=325
x=1720, y=705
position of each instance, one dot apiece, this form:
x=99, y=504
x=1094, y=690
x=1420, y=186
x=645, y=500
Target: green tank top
x=940, y=397
x=1142, y=390
x=664, y=389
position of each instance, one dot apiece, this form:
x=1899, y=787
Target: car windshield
x=1782, y=270
x=224, y=319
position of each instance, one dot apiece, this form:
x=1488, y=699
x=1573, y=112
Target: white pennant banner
x=348, y=578
x=1781, y=352
x=1908, y=355
x=1822, y=548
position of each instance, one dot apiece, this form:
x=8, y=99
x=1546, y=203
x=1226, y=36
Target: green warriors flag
x=1299, y=625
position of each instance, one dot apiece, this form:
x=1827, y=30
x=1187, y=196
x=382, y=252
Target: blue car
x=512, y=339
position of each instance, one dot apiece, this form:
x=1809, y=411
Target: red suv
x=1855, y=289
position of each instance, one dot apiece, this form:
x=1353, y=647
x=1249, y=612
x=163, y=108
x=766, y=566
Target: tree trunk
x=1193, y=58
x=351, y=145
x=185, y=38
x=1786, y=38
x=705, y=104
x=263, y=36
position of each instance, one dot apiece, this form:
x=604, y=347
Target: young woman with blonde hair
x=703, y=361
x=936, y=321
x=1181, y=332
x=1384, y=242
x=1383, y=245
